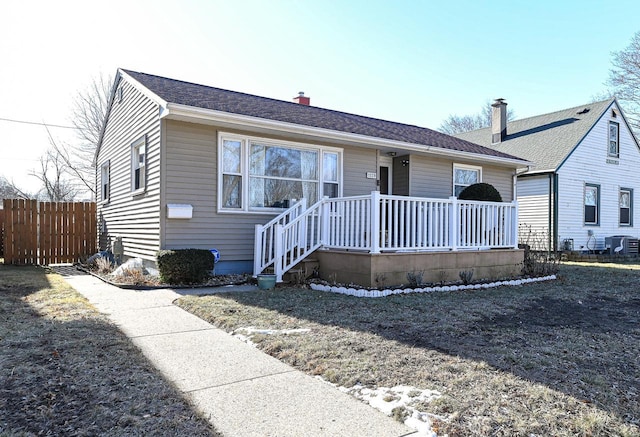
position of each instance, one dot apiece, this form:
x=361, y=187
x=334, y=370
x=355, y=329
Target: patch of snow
x=250, y=330
x=387, y=399
x=245, y=333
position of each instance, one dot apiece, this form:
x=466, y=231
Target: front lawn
x=66, y=370
x=553, y=358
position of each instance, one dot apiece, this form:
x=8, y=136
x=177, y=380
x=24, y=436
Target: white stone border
x=357, y=292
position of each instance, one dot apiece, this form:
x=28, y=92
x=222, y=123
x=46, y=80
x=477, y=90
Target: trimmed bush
x=185, y=266
x=481, y=191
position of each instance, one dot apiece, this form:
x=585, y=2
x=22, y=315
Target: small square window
x=139, y=165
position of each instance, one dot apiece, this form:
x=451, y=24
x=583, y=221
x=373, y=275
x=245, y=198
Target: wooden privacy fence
x=48, y=232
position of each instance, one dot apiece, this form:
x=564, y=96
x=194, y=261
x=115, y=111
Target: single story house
x=579, y=192
x=183, y=165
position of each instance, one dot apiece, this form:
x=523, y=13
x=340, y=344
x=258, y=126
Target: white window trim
x=463, y=167
x=245, y=142
x=142, y=141
x=105, y=167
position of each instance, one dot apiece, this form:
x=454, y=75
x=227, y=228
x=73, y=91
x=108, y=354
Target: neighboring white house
x=182, y=165
x=586, y=172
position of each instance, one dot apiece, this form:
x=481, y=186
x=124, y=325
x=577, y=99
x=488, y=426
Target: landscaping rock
x=131, y=267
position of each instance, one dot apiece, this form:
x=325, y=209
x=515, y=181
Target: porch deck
x=381, y=224
x=390, y=269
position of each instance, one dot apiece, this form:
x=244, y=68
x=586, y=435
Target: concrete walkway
x=242, y=391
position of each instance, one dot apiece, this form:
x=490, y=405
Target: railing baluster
x=382, y=222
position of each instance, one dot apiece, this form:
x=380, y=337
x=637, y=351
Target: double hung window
x=625, y=203
x=138, y=165
x=259, y=174
x=104, y=181
x=614, y=139
x=591, y=204
x=465, y=175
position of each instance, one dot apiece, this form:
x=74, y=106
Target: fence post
x=375, y=231
x=454, y=223
x=257, y=250
x=514, y=223
x=279, y=251
x=325, y=212
x=302, y=228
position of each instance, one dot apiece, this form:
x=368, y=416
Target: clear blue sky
x=409, y=61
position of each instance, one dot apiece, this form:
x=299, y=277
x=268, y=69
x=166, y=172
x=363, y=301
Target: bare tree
x=9, y=190
x=90, y=110
x=455, y=124
x=88, y=115
x=624, y=80
x=52, y=173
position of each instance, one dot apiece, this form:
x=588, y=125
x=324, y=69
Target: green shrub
x=481, y=191
x=185, y=266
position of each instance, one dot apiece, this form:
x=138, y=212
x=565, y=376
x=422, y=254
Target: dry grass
x=65, y=370
x=557, y=358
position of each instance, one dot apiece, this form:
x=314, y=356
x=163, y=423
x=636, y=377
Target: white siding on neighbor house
x=534, y=211
x=433, y=177
x=588, y=164
x=134, y=218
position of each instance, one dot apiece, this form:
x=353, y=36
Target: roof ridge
x=584, y=105
x=311, y=107
x=235, y=102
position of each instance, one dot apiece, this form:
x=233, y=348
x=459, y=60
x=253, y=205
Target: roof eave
x=191, y=113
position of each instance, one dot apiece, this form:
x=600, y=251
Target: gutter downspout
x=553, y=208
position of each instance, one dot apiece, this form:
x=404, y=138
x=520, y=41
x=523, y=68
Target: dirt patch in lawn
x=65, y=370
x=556, y=358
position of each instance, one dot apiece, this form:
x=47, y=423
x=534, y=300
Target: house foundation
x=390, y=269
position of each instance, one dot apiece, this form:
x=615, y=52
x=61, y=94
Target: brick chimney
x=301, y=99
x=498, y=121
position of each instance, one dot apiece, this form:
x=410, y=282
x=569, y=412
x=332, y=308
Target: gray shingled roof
x=546, y=140
x=201, y=96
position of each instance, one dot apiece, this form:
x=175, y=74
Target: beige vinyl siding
x=134, y=218
x=192, y=177
x=534, y=211
x=191, y=152
x=433, y=177
x=401, y=176
x=501, y=178
x=357, y=162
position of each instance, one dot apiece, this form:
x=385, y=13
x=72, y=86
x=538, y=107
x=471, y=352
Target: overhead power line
x=37, y=123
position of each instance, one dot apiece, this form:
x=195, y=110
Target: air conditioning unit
x=629, y=244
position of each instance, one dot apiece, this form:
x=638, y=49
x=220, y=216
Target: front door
x=385, y=178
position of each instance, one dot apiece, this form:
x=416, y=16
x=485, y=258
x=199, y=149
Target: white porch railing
x=377, y=223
